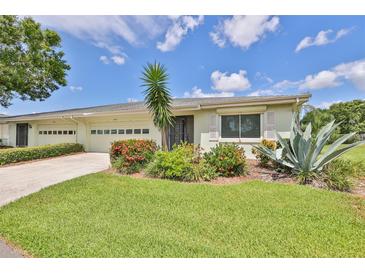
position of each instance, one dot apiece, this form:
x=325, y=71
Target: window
x=241, y=126
x=44, y=132
x=113, y=131
x=137, y=131
x=250, y=126
x=70, y=132
x=59, y=132
x=93, y=131
x=120, y=131
x=40, y=132
x=145, y=131
x=129, y=131
x=54, y=132
x=100, y=132
x=49, y=132
x=230, y=126
x=106, y=131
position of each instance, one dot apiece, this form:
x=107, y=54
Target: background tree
x=351, y=115
x=318, y=118
x=31, y=66
x=158, y=98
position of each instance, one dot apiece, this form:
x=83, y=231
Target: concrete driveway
x=21, y=180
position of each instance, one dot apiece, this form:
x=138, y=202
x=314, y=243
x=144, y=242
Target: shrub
x=14, y=155
x=338, y=175
x=183, y=162
x=264, y=160
x=130, y=156
x=227, y=159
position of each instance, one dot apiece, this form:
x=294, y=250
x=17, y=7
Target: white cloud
x=286, y=84
x=323, y=38
x=199, y=93
x=243, y=31
x=176, y=32
x=132, y=100
x=265, y=92
x=105, y=60
x=353, y=72
x=326, y=105
x=117, y=59
x=106, y=31
x=76, y=88
x=224, y=82
x=324, y=79
x=264, y=77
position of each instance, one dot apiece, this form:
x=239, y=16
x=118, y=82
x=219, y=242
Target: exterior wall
x=4, y=134
x=207, y=126
x=12, y=134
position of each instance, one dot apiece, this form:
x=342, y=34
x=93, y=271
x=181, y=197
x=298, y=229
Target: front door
x=22, y=135
x=182, y=130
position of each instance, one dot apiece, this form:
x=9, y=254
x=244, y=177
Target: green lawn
x=355, y=154
x=104, y=215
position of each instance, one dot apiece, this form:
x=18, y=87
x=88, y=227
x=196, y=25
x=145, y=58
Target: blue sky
x=207, y=56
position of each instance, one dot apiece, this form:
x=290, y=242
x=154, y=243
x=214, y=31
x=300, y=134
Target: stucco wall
x=4, y=133
x=204, y=125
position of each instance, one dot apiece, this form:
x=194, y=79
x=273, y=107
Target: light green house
x=204, y=121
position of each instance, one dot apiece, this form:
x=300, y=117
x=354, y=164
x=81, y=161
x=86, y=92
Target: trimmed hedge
x=14, y=155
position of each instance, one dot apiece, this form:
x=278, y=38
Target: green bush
x=14, y=155
x=183, y=162
x=338, y=175
x=264, y=160
x=227, y=159
x=130, y=156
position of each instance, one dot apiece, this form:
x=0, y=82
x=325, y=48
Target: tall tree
x=158, y=98
x=31, y=64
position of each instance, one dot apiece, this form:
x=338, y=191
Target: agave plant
x=303, y=153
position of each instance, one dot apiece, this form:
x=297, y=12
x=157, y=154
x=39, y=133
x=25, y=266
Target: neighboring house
x=203, y=121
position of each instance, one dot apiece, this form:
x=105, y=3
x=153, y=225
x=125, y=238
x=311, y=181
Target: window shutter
x=213, y=128
x=270, y=125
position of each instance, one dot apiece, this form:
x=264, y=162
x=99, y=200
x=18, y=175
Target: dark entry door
x=182, y=130
x=22, y=135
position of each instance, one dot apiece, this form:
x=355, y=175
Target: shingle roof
x=179, y=103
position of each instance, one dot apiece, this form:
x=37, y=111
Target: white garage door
x=56, y=134
x=102, y=135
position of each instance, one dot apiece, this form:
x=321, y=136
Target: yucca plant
x=158, y=98
x=303, y=153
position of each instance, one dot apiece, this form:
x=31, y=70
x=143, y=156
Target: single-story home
x=204, y=121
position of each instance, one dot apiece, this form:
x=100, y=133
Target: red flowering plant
x=130, y=156
x=227, y=159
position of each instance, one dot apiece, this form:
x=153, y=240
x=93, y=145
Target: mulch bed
x=256, y=172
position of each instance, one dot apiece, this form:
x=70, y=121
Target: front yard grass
x=356, y=154
x=105, y=215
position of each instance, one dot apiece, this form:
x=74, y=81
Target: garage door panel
x=56, y=134
x=102, y=135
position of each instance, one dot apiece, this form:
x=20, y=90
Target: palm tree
x=158, y=98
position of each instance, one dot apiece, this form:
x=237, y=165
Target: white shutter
x=270, y=125
x=213, y=128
